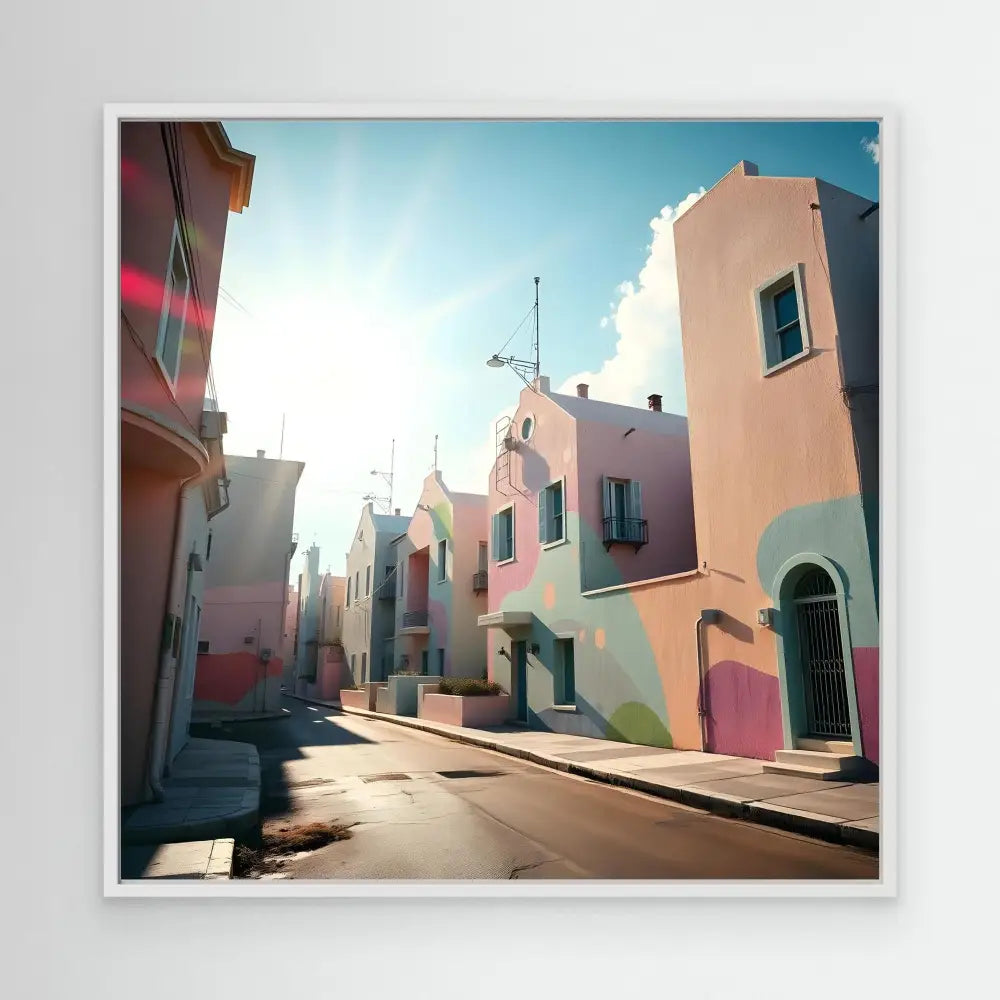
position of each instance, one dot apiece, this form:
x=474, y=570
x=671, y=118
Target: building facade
x=441, y=579
x=369, y=608
x=179, y=182
x=246, y=589
x=761, y=640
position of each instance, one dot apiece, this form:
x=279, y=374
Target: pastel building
x=441, y=580
x=246, y=588
x=369, y=604
x=762, y=640
x=172, y=469
x=288, y=638
x=320, y=665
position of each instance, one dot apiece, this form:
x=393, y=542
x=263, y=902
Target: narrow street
x=426, y=807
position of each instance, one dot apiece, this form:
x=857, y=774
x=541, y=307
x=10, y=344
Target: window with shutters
x=781, y=320
x=623, y=520
x=503, y=535
x=551, y=513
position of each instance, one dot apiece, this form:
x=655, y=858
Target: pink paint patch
x=866, y=687
x=227, y=678
x=549, y=597
x=743, y=709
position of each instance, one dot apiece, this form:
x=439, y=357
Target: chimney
x=260, y=452
x=397, y=512
x=656, y=403
x=582, y=389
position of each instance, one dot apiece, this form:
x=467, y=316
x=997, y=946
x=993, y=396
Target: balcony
x=414, y=623
x=625, y=531
x=480, y=581
x=386, y=590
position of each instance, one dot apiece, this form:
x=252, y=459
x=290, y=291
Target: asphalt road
x=427, y=808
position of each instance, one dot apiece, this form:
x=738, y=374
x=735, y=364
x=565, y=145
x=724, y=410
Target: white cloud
x=604, y=322
x=871, y=147
x=647, y=356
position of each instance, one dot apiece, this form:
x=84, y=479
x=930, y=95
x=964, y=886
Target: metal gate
x=821, y=653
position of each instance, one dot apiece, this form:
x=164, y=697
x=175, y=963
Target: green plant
x=469, y=687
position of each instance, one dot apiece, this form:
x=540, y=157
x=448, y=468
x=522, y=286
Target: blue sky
x=380, y=263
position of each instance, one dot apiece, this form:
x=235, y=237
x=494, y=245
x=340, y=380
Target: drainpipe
x=163, y=697
x=708, y=617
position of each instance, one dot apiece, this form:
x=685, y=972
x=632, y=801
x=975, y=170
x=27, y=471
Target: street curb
x=311, y=701
x=794, y=821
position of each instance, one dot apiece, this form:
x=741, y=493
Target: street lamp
x=521, y=367
x=386, y=502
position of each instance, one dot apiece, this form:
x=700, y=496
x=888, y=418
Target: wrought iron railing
x=626, y=530
x=386, y=590
x=414, y=619
x=480, y=581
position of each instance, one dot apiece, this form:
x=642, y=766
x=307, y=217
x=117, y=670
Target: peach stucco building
x=172, y=236
x=753, y=629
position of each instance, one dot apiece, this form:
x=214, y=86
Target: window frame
x=442, y=553
x=561, y=700
x=549, y=543
x=168, y=294
x=368, y=580
x=513, y=534
x=767, y=329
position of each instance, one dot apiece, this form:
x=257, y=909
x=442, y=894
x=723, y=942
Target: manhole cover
x=470, y=774
x=385, y=777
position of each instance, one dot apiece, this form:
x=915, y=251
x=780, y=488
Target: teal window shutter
x=543, y=521
x=606, y=495
x=495, y=536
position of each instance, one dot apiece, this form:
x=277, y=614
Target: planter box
x=474, y=711
x=399, y=696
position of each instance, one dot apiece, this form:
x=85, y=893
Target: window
x=368, y=580
x=402, y=578
x=208, y=548
x=483, y=557
x=203, y=645
x=566, y=685
x=364, y=667
x=176, y=292
x=781, y=320
x=357, y=586
x=527, y=427
x=623, y=520
x=440, y=662
x=551, y=527
x=352, y=665
x=348, y=602
x=442, y=560
x=503, y=535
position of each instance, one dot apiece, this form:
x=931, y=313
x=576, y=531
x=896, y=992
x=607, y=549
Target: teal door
x=423, y=662
x=519, y=678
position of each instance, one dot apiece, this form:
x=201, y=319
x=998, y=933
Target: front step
x=818, y=764
x=825, y=746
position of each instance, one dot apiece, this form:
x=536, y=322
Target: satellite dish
x=494, y=362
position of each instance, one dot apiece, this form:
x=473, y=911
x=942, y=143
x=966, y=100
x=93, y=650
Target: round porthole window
x=527, y=427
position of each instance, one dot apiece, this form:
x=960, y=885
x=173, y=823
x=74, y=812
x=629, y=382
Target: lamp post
x=387, y=476
x=521, y=367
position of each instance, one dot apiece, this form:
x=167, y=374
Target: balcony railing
x=480, y=581
x=625, y=531
x=414, y=619
x=386, y=590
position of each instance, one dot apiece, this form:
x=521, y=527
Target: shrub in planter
x=469, y=687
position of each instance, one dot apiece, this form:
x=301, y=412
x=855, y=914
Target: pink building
x=179, y=182
x=754, y=630
x=246, y=589
x=288, y=638
x=440, y=583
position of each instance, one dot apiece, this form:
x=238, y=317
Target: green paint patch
x=634, y=722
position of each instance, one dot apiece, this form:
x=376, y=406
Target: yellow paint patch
x=549, y=596
x=599, y=638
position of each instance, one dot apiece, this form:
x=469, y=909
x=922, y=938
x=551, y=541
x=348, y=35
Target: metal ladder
x=502, y=467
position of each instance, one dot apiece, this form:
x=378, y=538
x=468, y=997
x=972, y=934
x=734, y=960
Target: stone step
x=817, y=764
x=825, y=745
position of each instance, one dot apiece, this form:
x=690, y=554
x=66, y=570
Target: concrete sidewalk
x=840, y=812
x=213, y=791
x=203, y=859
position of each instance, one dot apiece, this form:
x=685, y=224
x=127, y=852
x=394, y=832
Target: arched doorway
x=821, y=655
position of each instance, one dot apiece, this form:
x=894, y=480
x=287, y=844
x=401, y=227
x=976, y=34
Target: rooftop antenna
x=385, y=502
x=520, y=366
x=435, y=452
x=281, y=450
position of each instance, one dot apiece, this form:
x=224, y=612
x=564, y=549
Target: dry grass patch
x=253, y=862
